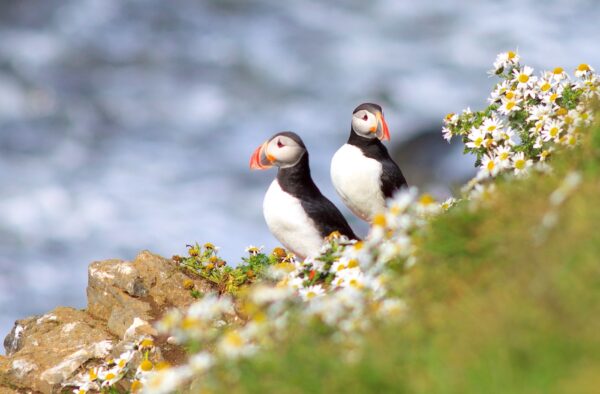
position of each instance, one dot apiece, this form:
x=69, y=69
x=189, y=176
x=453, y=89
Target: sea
x=128, y=125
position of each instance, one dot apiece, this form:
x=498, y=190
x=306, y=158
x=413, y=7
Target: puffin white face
x=368, y=122
x=280, y=150
x=364, y=123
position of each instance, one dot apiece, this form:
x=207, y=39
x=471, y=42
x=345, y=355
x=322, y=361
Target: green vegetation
x=502, y=300
x=204, y=262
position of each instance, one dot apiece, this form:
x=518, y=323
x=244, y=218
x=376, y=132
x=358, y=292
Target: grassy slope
x=492, y=311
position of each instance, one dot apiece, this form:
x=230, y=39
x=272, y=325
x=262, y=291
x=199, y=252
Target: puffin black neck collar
x=360, y=141
x=296, y=179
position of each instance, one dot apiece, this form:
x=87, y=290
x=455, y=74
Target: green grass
x=493, y=307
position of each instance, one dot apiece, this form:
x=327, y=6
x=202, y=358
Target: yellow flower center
x=189, y=322
x=585, y=116
x=234, y=339
x=520, y=164
x=260, y=317
x=523, y=78
x=510, y=105
x=146, y=365
x=562, y=111
x=147, y=342
x=544, y=154
x=359, y=245
x=449, y=116
x=511, y=55
x=491, y=165
x=553, y=97
x=379, y=220
x=491, y=128
x=93, y=375
x=426, y=199
x=353, y=263
x=583, y=67
x=109, y=376
x=504, y=156
x=572, y=140
x=510, y=94
x=478, y=141
x=311, y=294
x=162, y=365
x=136, y=386
x=545, y=87
x=354, y=283
x=553, y=131
x=538, y=126
x=569, y=119
x=558, y=70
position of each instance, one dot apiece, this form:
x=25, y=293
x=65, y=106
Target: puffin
x=362, y=171
x=295, y=210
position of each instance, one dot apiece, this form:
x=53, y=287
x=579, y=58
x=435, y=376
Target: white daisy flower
x=310, y=292
x=583, y=69
x=505, y=59
x=508, y=106
x=521, y=164
x=552, y=130
x=558, y=74
x=476, y=138
x=489, y=166
x=503, y=156
x=447, y=133
x=524, y=78
x=491, y=125
x=254, y=250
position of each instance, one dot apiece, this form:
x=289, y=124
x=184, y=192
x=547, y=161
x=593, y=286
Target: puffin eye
x=279, y=144
x=366, y=117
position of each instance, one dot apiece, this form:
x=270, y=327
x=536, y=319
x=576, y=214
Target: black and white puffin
x=362, y=171
x=296, y=212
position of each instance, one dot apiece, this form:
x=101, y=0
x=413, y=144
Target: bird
x=295, y=210
x=362, y=171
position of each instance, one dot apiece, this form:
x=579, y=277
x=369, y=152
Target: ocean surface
x=128, y=125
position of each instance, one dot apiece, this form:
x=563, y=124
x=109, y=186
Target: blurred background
x=128, y=124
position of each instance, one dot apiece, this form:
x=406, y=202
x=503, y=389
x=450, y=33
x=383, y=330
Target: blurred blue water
x=127, y=125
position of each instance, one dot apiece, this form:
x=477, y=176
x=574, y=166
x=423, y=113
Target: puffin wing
x=327, y=217
x=392, y=178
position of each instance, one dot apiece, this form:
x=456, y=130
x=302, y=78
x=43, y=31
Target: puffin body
x=296, y=211
x=362, y=171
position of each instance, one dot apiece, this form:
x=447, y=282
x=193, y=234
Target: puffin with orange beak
x=362, y=171
x=296, y=212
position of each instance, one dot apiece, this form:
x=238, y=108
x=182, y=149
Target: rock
x=119, y=291
x=124, y=300
x=54, y=346
x=12, y=342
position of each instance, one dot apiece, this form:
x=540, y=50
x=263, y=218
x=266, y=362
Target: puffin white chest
x=357, y=179
x=289, y=223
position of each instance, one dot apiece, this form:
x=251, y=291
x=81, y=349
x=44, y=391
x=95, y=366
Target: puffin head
x=284, y=149
x=368, y=122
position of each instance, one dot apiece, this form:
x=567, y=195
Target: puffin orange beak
x=260, y=160
x=382, y=132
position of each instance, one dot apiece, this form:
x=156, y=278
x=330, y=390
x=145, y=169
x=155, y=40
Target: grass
x=496, y=305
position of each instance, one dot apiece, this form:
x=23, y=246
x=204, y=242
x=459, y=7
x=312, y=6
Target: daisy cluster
x=527, y=118
x=344, y=288
x=130, y=370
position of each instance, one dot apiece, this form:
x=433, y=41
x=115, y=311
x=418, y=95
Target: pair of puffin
x=362, y=172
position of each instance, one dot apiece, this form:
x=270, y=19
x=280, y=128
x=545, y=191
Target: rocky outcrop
x=124, y=299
